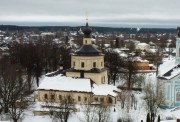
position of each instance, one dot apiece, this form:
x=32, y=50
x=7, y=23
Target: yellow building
x=88, y=62
x=85, y=82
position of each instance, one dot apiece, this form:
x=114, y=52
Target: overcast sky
x=115, y=13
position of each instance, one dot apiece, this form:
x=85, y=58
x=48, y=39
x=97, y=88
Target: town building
x=142, y=46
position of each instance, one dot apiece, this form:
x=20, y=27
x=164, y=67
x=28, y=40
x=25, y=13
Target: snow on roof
x=123, y=55
x=47, y=33
x=172, y=73
x=167, y=65
x=116, y=50
x=169, y=69
x=152, y=50
x=142, y=44
x=104, y=89
x=63, y=83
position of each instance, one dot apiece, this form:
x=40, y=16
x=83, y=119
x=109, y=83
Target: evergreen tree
x=148, y=118
x=159, y=118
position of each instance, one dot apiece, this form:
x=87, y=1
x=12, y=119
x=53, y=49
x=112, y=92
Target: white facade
x=178, y=50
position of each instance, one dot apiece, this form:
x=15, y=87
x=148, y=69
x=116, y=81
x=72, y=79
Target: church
x=169, y=81
x=86, y=81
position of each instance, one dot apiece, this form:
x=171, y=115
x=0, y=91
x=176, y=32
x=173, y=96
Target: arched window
x=45, y=96
x=94, y=64
x=52, y=96
x=60, y=97
x=79, y=98
x=82, y=64
x=85, y=99
x=178, y=96
x=102, y=81
x=74, y=63
x=110, y=100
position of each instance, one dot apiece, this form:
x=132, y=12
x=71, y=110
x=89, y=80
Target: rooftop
x=88, y=50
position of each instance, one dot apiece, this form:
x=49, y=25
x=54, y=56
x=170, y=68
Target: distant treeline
x=99, y=29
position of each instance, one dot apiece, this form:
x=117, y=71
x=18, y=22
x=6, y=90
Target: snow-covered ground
x=135, y=115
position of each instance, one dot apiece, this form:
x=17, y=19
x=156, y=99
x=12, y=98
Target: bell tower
x=178, y=46
x=88, y=62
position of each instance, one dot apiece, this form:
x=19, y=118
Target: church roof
x=63, y=83
x=172, y=73
x=88, y=50
x=87, y=31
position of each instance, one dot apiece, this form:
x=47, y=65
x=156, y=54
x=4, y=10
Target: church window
x=178, y=96
x=79, y=98
x=69, y=98
x=82, y=64
x=60, y=97
x=102, y=81
x=85, y=99
x=102, y=99
x=94, y=64
x=45, y=96
x=52, y=96
x=74, y=63
x=96, y=99
x=110, y=100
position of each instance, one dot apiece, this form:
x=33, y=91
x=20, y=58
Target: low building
x=81, y=90
x=142, y=46
x=143, y=65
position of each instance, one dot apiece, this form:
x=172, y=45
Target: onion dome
x=87, y=31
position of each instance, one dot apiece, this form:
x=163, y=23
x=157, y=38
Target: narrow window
x=60, y=97
x=102, y=99
x=86, y=41
x=96, y=99
x=85, y=99
x=178, y=96
x=94, y=64
x=179, y=52
x=74, y=64
x=110, y=100
x=52, y=96
x=69, y=98
x=45, y=96
x=101, y=64
x=79, y=98
x=82, y=64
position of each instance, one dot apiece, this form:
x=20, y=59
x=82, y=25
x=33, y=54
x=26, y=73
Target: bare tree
x=113, y=62
x=153, y=100
x=12, y=89
x=129, y=74
x=61, y=109
x=96, y=113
